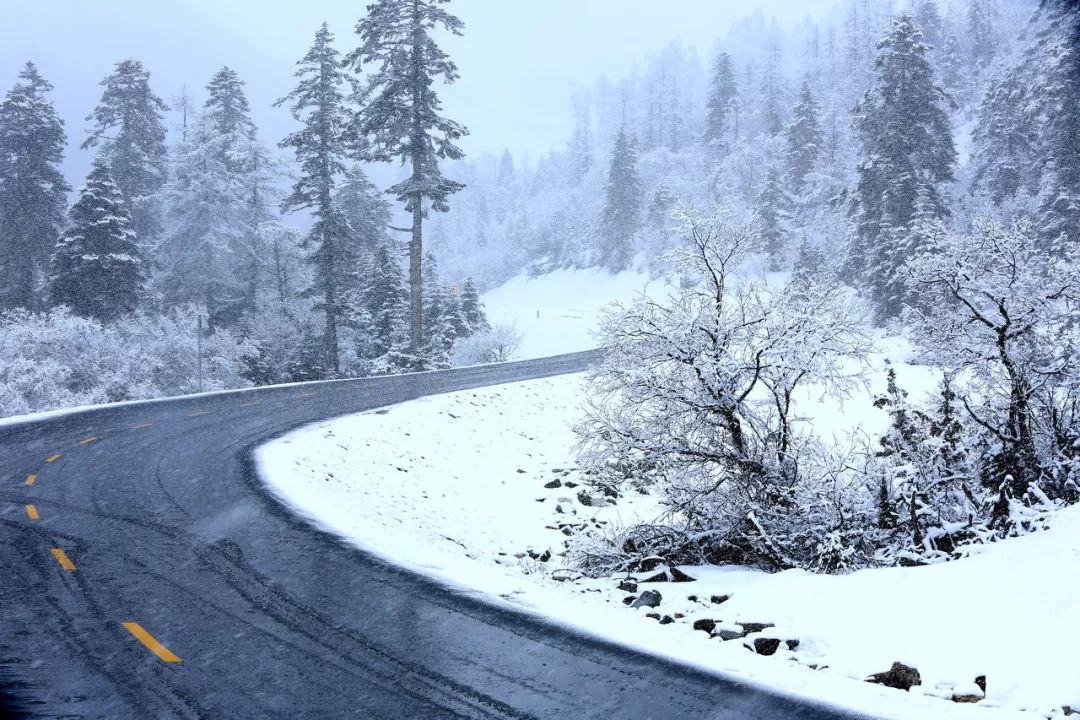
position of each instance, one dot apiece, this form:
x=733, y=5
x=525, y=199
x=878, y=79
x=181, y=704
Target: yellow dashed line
x=31, y=479
x=52, y=458
x=249, y=404
x=150, y=642
x=88, y=440
x=140, y=426
x=197, y=413
x=63, y=559
x=32, y=513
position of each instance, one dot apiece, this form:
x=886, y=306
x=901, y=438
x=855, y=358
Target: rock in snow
x=649, y=598
x=899, y=676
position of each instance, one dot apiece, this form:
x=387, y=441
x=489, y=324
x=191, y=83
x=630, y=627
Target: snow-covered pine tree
x=319, y=103
x=400, y=116
x=982, y=34
x=804, y=140
x=928, y=16
x=1028, y=122
x=720, y=104
x=772, y=91
x=472, y=310
x=127, y=127
x=580, y=148
x=907, y=147
x=213, y=253
x=621, y=216
x=771, y=219
x=205, y=204
x=386, y=301
x=227, y=110
x=439, y=330
x=1055, y=94
x=366, y=211
x=1004, y=142
x=33, y=192
x=97, y=269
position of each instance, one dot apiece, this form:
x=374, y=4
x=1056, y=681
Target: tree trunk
x=416, y=254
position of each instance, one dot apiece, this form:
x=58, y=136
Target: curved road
x=154, y=578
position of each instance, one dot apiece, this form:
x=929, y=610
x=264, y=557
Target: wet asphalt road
x=167, y=526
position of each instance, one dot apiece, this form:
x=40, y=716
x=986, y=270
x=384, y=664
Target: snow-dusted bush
x=999, y=313
x=57, y=359
x=498, y=344
x=697, y=399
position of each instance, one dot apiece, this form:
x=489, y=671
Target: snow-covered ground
x=558, y=312
x=456, y=487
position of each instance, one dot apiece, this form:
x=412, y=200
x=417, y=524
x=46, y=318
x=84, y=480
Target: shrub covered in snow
x=697, y=398
x=57, y=359
x=497, y=344
x=697, y=402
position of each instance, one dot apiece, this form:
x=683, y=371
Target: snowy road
x=144, y=572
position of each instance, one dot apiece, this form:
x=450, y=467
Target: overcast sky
x=520, y=60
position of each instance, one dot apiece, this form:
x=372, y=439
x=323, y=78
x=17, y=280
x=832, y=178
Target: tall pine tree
x=772, y=216
x=97, y=269
x=127, y=126
x=472, y=310
x=386, y=305
x=805, y=140
x=401, y=115
x=33, y=192
x=623, y=201
x=319, y=103
x=907, y=148
x=721, y=104
x=212, y=249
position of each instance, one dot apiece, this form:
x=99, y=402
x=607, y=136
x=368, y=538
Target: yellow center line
x=63, y=559
x=52, y=458
x=151, y=642
x=140, y=426
x=32, y=513
x=88, y=440
x=197, y=413
x=31, y=479
x=249, y=404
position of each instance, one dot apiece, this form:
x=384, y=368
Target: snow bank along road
x=144, y=572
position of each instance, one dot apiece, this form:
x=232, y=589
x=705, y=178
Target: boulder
x=628, y=586
x=649, y=598
x=717, y=599
x=653, y=616
x=766, y=646
x=792, y=645
x=556, y=483
x=667, y=620
x=729, y=633
x=899, y=676
x=967, y=697
x=587, y=500
x=752, y=627
x=705, y=624
x=678, y=575
x=629, y=599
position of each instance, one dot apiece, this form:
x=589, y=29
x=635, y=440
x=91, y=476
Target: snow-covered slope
x=470, y=505
x=558, y=312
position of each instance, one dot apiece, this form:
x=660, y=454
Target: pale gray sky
x=520, y=60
